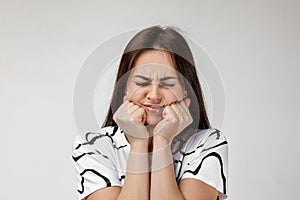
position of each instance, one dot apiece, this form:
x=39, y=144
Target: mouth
x=153, y=108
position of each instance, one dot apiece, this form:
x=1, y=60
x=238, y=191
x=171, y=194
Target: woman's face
x=154, y=83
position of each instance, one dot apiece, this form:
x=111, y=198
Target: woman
x=156, y=142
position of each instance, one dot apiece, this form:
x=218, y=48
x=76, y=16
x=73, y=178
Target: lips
x=154, y=108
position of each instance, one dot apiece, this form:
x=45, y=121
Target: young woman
x=156, y=142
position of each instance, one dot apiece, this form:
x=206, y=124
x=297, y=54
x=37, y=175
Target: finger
x=185, y=115
x=123, y=107
x=139, y=115
x=121, y=111
x=132, y=108
x=125, y=98
x=177, y=109
x=185, y=105
x=169, y=113
x=187, y=102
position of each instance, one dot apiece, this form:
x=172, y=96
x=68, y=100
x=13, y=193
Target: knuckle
x=132, y=120
x=141, y=111
x=174, y=120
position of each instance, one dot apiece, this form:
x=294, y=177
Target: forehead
x=154, y=71
x=154, y=63
x=154, y=56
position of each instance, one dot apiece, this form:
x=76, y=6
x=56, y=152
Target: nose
x=154, y=94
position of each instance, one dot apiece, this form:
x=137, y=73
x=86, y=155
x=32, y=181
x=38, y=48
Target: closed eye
x=142, y=83
x=167, y=84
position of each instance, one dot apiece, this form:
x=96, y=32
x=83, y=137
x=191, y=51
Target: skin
x=161, y=124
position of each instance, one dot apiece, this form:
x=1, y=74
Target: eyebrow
x=149, y=79
x=167, y=78
x=143, y=77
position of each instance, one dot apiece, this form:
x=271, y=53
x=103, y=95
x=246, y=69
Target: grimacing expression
x=154, y=83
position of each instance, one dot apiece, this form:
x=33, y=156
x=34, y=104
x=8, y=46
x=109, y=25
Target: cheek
x=170, y=97
x=136, y=93
x=173, y=95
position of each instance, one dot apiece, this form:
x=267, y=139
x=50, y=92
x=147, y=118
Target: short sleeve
x=94, y=167
x=207, y=160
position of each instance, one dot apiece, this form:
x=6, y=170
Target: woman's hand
x=131, y=119
x=176, y=117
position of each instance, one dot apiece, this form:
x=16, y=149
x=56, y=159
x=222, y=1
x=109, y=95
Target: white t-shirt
x=100, y=159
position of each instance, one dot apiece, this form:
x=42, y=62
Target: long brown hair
x=170, y=40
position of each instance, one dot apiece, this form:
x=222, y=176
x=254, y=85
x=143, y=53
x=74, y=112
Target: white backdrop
x=254, y=43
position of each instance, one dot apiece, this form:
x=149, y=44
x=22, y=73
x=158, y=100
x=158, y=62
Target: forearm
x=137, y=180
x=163, y=181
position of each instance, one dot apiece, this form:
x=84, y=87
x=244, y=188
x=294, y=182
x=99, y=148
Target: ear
x=184, y=93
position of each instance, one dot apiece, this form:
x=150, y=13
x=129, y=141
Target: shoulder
x=103, y=140
x=205, y=138
x=208, y=134
x=205, y=145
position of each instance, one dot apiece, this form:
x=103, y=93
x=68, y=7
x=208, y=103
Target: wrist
x=161, y=158
x=139, y=147
x=138, y=162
